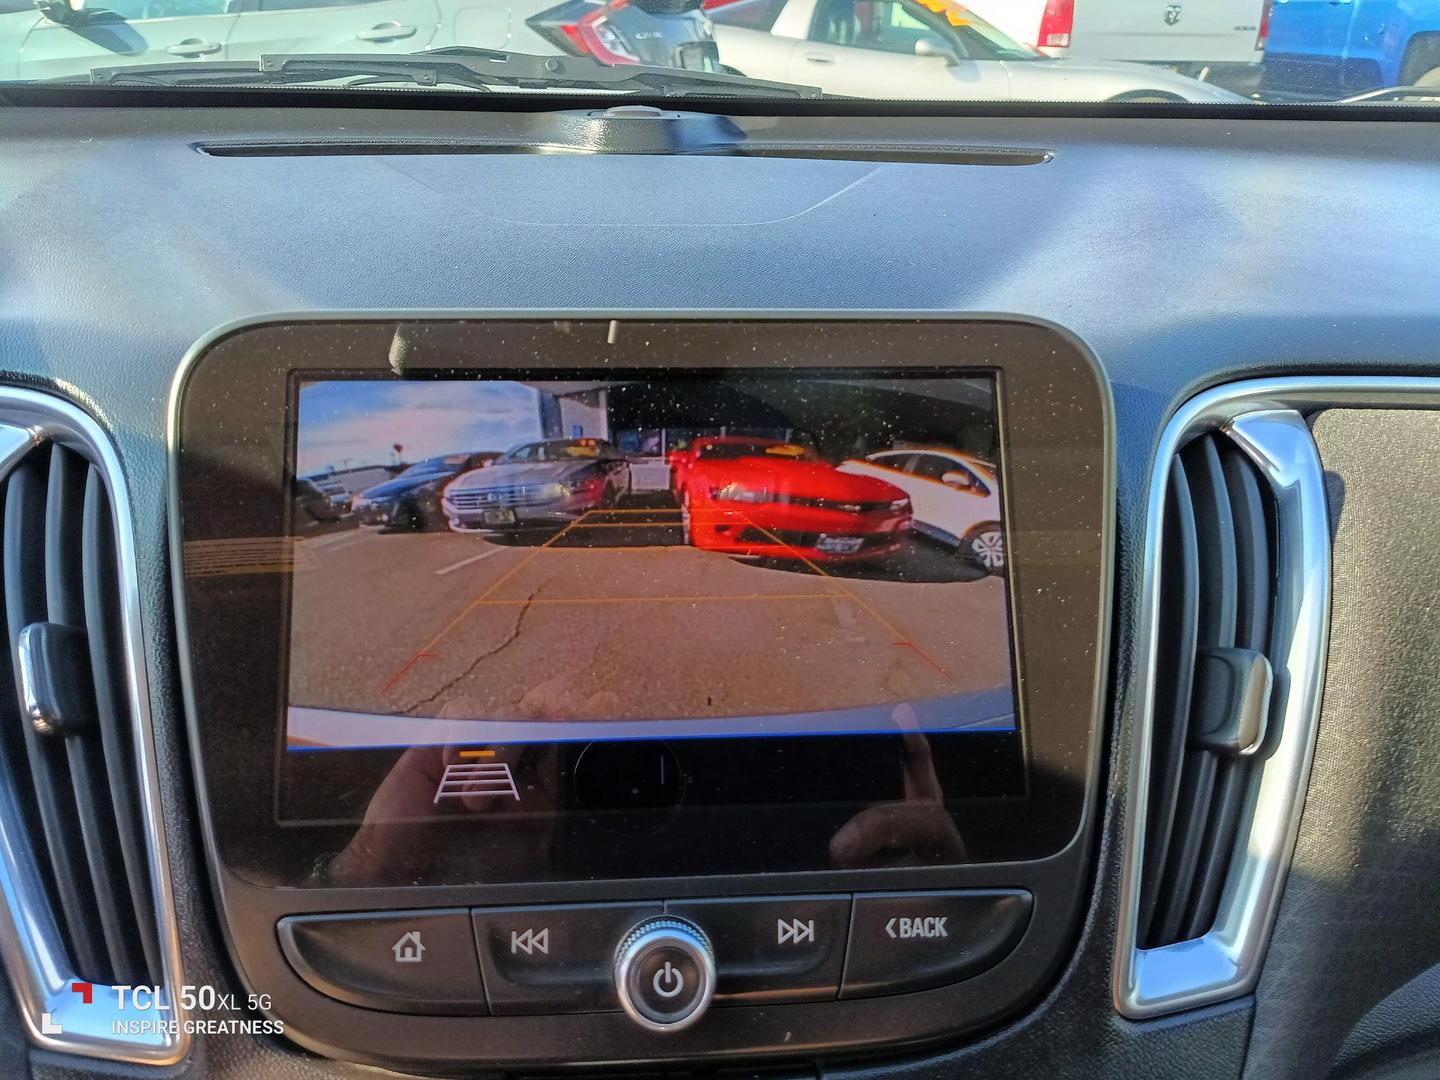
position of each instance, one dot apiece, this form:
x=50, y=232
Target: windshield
x=557, y=450
x=1138, y=52
x=733, y=451
x=447, y=463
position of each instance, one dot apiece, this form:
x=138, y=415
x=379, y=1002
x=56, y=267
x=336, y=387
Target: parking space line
x=319, y=543
x=466, y=562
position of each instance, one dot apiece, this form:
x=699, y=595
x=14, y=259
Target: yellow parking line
x=839, y=584
x=501, y=580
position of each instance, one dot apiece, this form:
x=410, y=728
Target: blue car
x=1335, y=48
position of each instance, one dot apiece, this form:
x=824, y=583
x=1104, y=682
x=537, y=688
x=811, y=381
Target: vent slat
x=1198, y=793
x=1180, y=588
x=1254, y=588
x=1215, y=542
x=1253, y=543
x=103, y=627
x=48, y=769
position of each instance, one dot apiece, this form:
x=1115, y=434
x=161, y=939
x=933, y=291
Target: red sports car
x=765, y=497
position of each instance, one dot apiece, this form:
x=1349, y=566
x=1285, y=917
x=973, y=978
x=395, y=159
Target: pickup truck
x=1198, y=37
x=1335, y=48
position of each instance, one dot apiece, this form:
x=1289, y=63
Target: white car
x=924, y=50
x=1193, y=35
x=108, y=33
x=954, y=497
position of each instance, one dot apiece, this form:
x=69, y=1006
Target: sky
x=346, y=423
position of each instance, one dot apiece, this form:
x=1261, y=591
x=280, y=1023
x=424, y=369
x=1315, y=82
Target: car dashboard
x=1195, y=365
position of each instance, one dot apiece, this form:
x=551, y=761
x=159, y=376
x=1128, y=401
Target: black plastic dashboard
x=1183, y=253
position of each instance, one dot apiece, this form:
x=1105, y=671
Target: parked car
x=312, y=504
x=769, y=498
x=955, y=498
x=335, y=491
x=1332, y=49
x=412, y=499
x=931, y=49
x=106, y=33
x=1203, y=38
x=660, y=33
x=546, y=484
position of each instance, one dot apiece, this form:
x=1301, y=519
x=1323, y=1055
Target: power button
x=665, y=973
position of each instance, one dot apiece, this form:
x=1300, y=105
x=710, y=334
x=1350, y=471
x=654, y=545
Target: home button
x=395, y=961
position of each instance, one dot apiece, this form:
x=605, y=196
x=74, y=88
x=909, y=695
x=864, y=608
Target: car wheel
x=984, y=546
x=1147, y=97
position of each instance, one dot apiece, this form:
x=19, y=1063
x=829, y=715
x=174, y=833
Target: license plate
x=498, y=517
x=839, y=545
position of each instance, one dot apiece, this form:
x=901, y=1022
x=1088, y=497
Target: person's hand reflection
x=917, y=830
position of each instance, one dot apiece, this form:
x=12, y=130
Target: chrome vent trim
x=31, y=942
x=1265, y=419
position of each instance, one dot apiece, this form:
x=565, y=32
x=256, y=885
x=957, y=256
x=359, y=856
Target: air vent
x=1231, y=650
x=1213, y=683
x=86, y=886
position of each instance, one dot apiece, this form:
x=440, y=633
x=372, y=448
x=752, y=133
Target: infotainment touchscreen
x=488, y=564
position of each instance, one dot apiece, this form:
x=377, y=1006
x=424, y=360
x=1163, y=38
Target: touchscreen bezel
x=233, y=419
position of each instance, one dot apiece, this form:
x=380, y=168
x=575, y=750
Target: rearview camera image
x=507, y=561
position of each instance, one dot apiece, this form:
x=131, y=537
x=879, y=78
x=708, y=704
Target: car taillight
x=1264, y=33
x=1056, y=24
x=573, y=35
x=602, y=40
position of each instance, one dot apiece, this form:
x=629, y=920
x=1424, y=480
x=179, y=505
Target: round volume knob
x=665, y=973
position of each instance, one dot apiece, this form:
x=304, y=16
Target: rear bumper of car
x=376, y=513
x=789, y=532
x=500, y=518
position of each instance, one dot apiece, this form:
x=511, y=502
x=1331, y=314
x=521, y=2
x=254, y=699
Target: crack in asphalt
x=525, y=609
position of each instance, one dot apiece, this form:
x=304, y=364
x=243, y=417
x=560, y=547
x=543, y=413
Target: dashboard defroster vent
x=85, y=883
x=1231, y=650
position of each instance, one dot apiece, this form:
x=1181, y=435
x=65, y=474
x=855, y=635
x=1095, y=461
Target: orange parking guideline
x=458, y=619
x=839, y=584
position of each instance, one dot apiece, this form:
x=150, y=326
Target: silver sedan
x=935, y=50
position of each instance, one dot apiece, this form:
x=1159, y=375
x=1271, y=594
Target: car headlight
x=551, y=492
x=900, y=504
x=733, y=492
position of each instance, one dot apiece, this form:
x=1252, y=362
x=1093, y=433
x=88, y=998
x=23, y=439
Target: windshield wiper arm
x=479, y=69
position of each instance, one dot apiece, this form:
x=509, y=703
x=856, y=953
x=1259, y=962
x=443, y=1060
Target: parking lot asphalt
x=617, y=618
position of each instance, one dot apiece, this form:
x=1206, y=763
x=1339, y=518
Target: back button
x=912, y=941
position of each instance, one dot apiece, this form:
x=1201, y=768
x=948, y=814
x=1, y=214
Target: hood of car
x=808, y=479
x=1092, y=80
x=504, y=474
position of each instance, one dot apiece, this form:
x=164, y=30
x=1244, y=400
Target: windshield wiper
x=477, y=69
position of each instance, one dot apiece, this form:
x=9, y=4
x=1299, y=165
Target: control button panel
x=788, y=948
x=665, y=974
x=554, y=958
x=404, y=961
x=913, y=941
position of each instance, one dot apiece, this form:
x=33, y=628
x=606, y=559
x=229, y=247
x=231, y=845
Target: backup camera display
x=509, y=561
